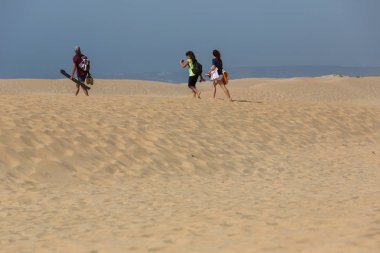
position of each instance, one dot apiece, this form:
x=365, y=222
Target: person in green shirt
x=193, y=78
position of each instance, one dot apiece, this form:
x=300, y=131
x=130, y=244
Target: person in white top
x=216, y=74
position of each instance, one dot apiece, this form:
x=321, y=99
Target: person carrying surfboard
x=81, y=65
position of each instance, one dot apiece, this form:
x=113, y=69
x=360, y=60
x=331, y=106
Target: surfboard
x=74, y=80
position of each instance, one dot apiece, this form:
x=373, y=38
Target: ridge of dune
x=351, y=90
x=102, y=87
x=363, y=90
x=292, y=165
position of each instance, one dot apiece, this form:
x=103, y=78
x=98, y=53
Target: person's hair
x=192, y=55
x=217, y=55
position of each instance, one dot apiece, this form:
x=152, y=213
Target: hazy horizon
x=130, y=37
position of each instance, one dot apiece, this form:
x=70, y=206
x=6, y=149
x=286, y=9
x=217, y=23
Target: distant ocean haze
x=252, y=72
x=181, y=76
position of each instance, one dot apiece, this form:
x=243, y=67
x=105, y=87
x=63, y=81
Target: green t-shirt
x=191, y=66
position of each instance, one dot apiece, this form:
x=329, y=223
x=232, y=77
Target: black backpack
x=197, y=68
x=85, y=64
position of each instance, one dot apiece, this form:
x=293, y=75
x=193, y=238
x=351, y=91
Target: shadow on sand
x=246, y=101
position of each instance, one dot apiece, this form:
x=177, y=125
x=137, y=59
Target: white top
x=214, y=74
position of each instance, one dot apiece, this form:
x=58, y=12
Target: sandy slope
x=293, y=165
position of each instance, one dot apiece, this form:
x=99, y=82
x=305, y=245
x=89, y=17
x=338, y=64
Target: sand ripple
x=285, y=168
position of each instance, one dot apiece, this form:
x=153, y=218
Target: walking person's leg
x=225, y=90
x=192, y=82
x=214, y=91
x=191, y=86
x=197, y=93
x=85, y=91
x=194, y=90
x=83, y=80
x=76, y=93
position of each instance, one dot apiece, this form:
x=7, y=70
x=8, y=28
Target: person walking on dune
x=195, y=71
x=81, y=65
x=216, y=74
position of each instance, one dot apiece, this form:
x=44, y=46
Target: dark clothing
x=77, y=59
x=219, y=65
x=82, y=79
x=192, y=81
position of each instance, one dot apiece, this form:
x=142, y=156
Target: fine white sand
x=292, y=165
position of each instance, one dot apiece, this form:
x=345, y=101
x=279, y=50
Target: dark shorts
x=192, y=81
x=81, y=79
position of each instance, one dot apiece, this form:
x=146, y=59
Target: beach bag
x=225, y=77
x=197, y=68
x=85, y=64
x=89, y=79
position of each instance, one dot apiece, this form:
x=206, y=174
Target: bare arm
x=183, y=63
x=213, y=67
x=74, y=69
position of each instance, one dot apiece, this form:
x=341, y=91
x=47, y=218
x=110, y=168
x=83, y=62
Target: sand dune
x=36, y=87
x=293, y=165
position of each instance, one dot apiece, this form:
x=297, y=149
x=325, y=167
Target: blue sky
x=123, y=36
